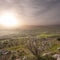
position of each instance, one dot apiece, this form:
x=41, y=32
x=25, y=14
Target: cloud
x=36, y=10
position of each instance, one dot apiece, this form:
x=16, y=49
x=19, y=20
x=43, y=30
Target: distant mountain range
x=31, y=27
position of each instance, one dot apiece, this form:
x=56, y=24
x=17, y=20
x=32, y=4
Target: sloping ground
x=5, y=57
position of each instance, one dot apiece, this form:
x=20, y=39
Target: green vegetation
x=31, y=44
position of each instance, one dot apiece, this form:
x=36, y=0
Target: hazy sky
x=34, y=12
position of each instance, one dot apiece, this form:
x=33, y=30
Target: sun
x=8, y=20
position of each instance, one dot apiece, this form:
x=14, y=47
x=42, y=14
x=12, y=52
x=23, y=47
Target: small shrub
x=58, y=39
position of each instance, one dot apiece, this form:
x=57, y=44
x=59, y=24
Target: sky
x=34, y=12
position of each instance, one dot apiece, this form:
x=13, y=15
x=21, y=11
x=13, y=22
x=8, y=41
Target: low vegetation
x=30, y=45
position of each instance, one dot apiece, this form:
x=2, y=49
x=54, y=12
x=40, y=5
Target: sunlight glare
x=8, y=20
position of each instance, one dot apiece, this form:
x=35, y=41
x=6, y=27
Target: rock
x=45, y=54
x=58, y=48
x=56, y=56
x=24, y=58
x=18, y=59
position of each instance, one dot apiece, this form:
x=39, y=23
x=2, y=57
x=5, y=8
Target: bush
x=48, y=58
x=58, y=39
